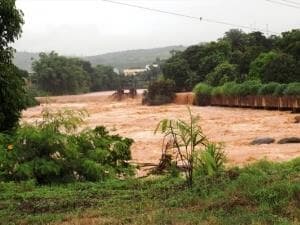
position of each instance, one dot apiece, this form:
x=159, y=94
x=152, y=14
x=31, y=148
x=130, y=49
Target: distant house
x=133, y=72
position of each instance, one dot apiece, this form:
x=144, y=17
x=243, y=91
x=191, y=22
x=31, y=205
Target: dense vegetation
x=13, y=95
x=54, y=151
x=58, y=75
x=159, y=92
x=252, y=87
x=264, y=193
x=237, y=57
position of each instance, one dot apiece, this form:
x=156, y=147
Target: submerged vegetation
x=159, y=92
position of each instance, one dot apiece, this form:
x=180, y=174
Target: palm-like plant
x=187, y=140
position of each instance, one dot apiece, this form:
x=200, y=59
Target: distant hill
x=133, y=58
x=121, y=60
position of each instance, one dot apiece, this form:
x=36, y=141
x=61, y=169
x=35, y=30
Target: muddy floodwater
x=236, y=128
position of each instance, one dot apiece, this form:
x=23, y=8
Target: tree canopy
x=57, y=75
x=12, y=91
x=239, y=57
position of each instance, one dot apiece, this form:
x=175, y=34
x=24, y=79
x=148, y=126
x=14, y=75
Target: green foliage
x=187, y=140
x=279, y=91
x=203, y=93
x=54, y=151
x=229, y=89
x=104, y=78
x=233, y=89
x=13, y=97
x=269, y=89
x=257, y=67
x=282, y=69
x=260, y=193
x=247, y=88
x=12, y=92
x=177, y=69
x=217, y=91
x=292, y=89
x=210, y=161
x=60, y=75
x=238, y=57
x=10, y=29
x=290, y=43
x=160, y=92
x=222, y=73
x=251, y=87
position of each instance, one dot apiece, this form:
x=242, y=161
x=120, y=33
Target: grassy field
x=263, y=193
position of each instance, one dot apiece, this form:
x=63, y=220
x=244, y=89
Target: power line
x=281, y=3
x=187, y=16
x=291, y=2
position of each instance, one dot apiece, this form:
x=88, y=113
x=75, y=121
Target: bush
x=54, y=151
x=248, y=88
x=30, y=98
x=160, y=92
x=229, y=89
x=203, y=93
x=210, y=161
x=292, y=89
x=268, y=89
x=217, y=91
x=280, y=90
x=222, y=73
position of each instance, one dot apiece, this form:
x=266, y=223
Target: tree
x=61, y=75
x=213, y=54
x=237, y=38
x=290, y=43
x=223, y=73
x=176, y=68
x=282, y=69
x=12, y=92
x=104, y=78
x=258, y=65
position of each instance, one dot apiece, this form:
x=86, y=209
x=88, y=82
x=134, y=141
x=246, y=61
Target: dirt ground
x=236, y=128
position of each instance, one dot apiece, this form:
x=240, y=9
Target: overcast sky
x=89, y=27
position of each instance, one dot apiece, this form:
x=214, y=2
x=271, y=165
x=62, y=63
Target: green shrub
x=160, y=92
x=268, y=89
x=248, y=88
x=210, y=161
x=292, y=89
x=222, y=73
x=280, y=90
x=229, y=89
x=203, y=93
x=30, y=98
x=217, y=91
x=54, y=151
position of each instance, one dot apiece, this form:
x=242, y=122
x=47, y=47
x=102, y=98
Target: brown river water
x=234, y=127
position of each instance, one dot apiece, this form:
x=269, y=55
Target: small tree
x=186, y=138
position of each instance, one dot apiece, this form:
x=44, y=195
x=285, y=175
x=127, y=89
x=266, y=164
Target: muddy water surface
x=236, y=128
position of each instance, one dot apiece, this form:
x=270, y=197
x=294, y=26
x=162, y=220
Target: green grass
x=263, y=193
